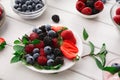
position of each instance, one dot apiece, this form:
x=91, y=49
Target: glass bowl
x=29, y=14
x=109, y=76
x=113, y=13
x=2, y=19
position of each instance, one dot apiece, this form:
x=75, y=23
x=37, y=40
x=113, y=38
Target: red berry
x=1, y=10
x=29, y=48
x=118, y=11
x=117, y=19
x=80, y=5
x=55, y=42
x=83, y=0
x=87, y=11
x=2, y=40
x=42, y=60
x=40, y=45
x=99, y=5
x=42, y=53
x=34, y=36
x=0, y=14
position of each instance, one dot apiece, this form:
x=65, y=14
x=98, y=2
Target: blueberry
x=20, y=5
x=19, y=9
x=36, y=1
x=47, y=50
x=38, y=6
x=51, y=56
x=39, y=31
x=116, y=65
x=36, y=50
x=27, y=55
x=24, y=7
x=17, y=1
x=52, y=33
x=30, y=7
x=48, y=27
x=104, y=1
x=28, y=3
x=34, y=30
x=16, y=6
x=55, y=18
x=33, y=5
x=36, y=55
x=50, y=62
x=30, y=60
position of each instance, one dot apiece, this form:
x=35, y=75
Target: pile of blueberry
x=45, y=53
x=28, y=5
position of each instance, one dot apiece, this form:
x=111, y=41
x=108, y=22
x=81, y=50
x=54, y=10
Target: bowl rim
x=30, y=13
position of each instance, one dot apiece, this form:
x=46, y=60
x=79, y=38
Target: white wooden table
x=101, y=30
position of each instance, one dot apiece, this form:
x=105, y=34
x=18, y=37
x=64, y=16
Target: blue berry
x=17, y=1
x=38, y=6
x=39, y=31
x=27, y=55
x=104, y=1
x=34, y=30
x=51, y=56
x=56, y=18
x=28, y=3
x=36, y=50
x=19, y=9
x=16, y=6
x=47, y=50
x=48, y=27
x=50, y=62
x=30, y=60
x=116, y=65
x=36, y=1
x=24, y=7
x=36, y=55
x=52, y=33
x=30, y=7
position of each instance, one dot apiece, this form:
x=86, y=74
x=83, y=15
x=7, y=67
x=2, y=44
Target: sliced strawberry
x=80, y=5
x=68, y=35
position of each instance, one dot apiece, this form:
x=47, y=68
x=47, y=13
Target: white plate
x=67, y=63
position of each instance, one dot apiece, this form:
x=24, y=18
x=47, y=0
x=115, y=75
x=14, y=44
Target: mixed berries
x=89, y=7
x=48, y=45
x=28, y=5
x=116, y=18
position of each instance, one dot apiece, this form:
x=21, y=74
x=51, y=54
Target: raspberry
x=40, y=45
x=33, y=36
x=99, y=5
x=118, y=11
x=87, y=11
x=80, y=5
x=117, y=19
x=55, y=42
x=42, y=60
x=42, y=53
x=83, y=0
x=29, y=48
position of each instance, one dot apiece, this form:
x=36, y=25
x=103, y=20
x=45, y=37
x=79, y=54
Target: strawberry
x=33, y=36
x=2, y=40
x=40, y=45
x=68, y=35
x=42, y=60
x=83, y=0
x=55, y=42
x=99, y=5
x=42, y=53
x=69, y=49
x=87, y=11
x=117, y=19
x=58, y=28
x=80, y=5
x=29, y=48
x=118, y=11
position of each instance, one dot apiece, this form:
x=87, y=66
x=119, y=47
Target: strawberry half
x=80, y=5
x=87, y=11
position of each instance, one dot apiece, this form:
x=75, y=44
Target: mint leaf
x=17, y=42
x=36, y=41
x=2, y=46
x=92, y=47
x=99, y=64
x=25, y=39
x=103, y=49
x=85, y=34
x=15, y=59
x=112, y=70
x=18, y=48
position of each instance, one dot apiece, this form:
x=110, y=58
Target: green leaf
x=36, y=41
x=25, y=39
x=92, y=47
x=60, y=40
x=119, y=73
x=103, y=49
x=15, y=59
x=112, y=70
x=17, y=42
x=85, y=34
x=18, y=48
x=99, y=64
x=2, y=46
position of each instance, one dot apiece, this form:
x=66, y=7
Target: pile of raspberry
x=89, y=7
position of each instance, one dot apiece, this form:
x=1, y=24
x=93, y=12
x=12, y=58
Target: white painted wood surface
x=101, y=30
